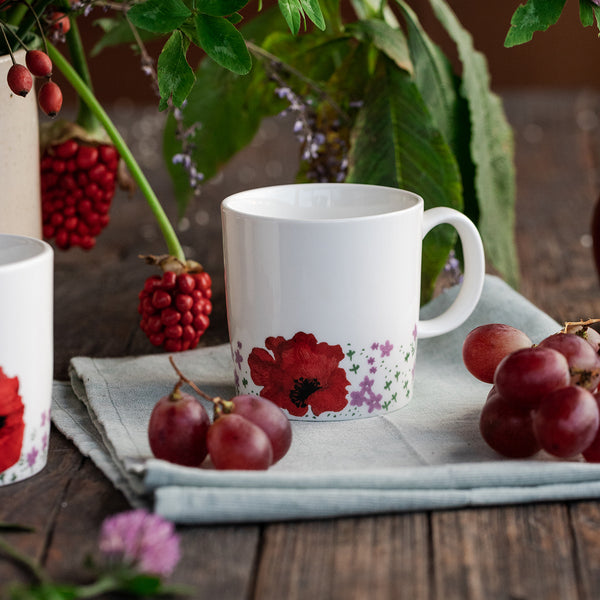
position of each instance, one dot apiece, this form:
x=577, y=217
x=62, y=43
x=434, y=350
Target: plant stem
x=23, y=560
x=86, y=95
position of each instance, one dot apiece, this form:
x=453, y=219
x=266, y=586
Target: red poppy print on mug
x=310, y=379
x=12, y=425
x=300, y=373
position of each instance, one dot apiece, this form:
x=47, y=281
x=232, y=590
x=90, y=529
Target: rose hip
x=19, y=80
x=38, y=63
x=50, y=98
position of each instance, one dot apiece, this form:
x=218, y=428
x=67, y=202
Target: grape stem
x=87, y=96
x=221, y=405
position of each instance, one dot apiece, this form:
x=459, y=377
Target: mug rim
x=229, y=203
x=41, y=252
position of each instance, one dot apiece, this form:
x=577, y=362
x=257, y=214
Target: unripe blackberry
x=19, y=79
x=175, y=309
x=50, y=98
x=38, y=63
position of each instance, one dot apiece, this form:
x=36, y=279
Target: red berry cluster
x=175, y=309
x=78, y=185
x=20, y=81
x=544, y=396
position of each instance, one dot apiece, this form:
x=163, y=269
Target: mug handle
x=474, y=271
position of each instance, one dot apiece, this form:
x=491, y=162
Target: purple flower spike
x=142, y=540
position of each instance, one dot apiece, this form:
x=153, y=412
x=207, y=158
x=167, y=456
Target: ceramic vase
x=20, y=200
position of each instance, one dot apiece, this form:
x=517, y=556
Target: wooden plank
x=372, y=557
x=585, y=519
x=500, y=553
x=35, y=502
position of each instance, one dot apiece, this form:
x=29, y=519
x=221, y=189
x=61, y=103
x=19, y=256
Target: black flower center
x=2, y=421
x=302, y=389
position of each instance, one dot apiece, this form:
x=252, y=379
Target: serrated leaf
x=491, y=149
x=220, y=8
x=438, y=86
x=312, y=10
x=215, y=98
x=223, y=43
x=389, y=40
x=395, y=143
x=158, y=16
x=292, y=13
x=536, y=15
x=175, y=76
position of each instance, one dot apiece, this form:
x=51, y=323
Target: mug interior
x=15, y=249
x=317, y=202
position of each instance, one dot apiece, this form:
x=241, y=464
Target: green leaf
x=175, y=76
x=229, y=109
x=313, y=11
x=220, y=8
x=292, y=13
x=491, y=149
x=395, y=143
x=159, y=16
x=438, y=86
x=223, y=43
x=586, y=14
x=389, y=40
x=536, y=15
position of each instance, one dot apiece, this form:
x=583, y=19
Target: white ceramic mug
x=323, y=294
x=26, y=355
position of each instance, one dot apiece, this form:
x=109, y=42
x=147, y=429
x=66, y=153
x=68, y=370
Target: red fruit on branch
x=59, y=23
x=19, y=80
x=50, y=98
x=38, y=63
x=175, y=307
x=78, y=178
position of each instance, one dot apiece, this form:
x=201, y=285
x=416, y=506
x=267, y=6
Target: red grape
x=236, y=443
x=486, y=345
x=592, y=452
x=507, y=428
x=589, y=334
x=177, y=429
x=584, y=363
x=269, y=417
x=526, y=375
x=566, y=421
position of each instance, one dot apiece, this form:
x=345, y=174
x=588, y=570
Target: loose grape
x=507, y=428
x=566, y=421
x=584, y=363
x=486, y=345
x=236, y=443
x=177, y=429
x=269, y=417
x=526, y=375
x=592, y=452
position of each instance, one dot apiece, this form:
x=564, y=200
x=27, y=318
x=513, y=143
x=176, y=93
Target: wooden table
x=546, y=551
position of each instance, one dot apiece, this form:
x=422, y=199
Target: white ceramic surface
x=26, y=355
x=323, y=294
x=20, y=199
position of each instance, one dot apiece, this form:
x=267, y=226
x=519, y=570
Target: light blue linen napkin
x=427, y=455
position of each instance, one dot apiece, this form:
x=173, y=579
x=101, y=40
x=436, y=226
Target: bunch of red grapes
x=247, y=433
x=544, y=396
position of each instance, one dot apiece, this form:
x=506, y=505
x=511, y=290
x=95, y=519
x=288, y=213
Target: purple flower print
x=44, y=441
x=366, y=395
x=371, y=360
x=373, y=370
x=140, y=539
x=386, y=348
x=414, y=333
x=32, y=456
x=374, y=346
x=238, y=358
